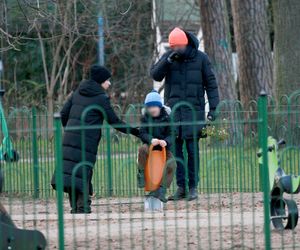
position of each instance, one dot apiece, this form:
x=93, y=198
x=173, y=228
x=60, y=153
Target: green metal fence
x=232, y=211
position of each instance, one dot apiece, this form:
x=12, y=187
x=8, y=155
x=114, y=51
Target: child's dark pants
x=170, y=167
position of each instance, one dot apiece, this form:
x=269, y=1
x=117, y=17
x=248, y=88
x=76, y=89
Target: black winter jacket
x=163, y=132
x=88, y=93
x=187, y=79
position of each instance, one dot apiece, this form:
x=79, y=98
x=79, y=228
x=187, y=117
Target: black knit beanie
x=99, y=73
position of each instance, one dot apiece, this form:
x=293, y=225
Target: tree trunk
x=50, y=109
x=216, y=34
x=287, y=45
x=255, y=67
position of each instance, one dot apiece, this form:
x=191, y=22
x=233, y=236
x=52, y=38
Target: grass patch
x=223, y=168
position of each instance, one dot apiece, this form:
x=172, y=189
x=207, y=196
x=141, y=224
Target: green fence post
x=35, y=155
x=109, y=171
x=59, y=180
x=263, y=141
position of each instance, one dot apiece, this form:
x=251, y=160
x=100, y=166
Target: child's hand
x=155, y=142
x=162, y=143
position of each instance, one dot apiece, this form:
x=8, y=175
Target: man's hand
x=155, y=142
x=162, y=143
x=173, y=57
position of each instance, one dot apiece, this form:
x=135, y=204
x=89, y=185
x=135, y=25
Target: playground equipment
x=12, y=237
x=7, y=151
x=284, y=212
x=154, y=171
x=154, y=168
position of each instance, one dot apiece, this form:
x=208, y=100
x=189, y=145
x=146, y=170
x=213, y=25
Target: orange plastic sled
x=154, y=168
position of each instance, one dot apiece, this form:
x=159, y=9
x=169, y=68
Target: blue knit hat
x=153, y=99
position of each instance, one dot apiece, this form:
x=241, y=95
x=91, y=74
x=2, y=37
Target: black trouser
x=192, y=146
x=80, y=203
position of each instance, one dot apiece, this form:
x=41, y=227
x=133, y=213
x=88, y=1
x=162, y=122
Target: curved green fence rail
x=231, y=213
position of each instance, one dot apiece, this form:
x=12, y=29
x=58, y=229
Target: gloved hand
x=174, y=56
x=135, y=132
x=211, y=115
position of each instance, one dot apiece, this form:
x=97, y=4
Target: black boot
x=159, y=194
x=193, y=194
x=83, y=207
x=179, y=194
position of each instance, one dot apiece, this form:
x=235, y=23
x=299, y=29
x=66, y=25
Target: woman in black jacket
x=90, y=92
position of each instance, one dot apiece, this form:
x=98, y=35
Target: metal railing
x=233, y=209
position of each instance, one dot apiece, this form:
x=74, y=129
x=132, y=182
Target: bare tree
x=61, y=48
x=255, y=70
x=130, y=41
x=64, y=36
x=287, y=45
x=56, y=32
x=8, y=41
x=217, y=43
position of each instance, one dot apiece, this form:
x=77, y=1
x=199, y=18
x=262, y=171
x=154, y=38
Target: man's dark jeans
x=192, y=146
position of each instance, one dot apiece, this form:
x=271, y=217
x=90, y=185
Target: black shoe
x=180, y=194
x=159, y=194
x=83, y=211
x=193, y=194
x=73, y=211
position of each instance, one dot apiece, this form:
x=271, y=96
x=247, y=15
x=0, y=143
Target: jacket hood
x=90, y=88
x=193, y=40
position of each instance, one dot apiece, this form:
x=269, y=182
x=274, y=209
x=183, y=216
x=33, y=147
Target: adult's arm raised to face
x=159, y=70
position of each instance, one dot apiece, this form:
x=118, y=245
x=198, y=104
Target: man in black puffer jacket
x=90, y=92
x=188, y=75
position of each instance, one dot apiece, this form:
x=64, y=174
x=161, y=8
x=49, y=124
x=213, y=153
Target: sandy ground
x=223, y=221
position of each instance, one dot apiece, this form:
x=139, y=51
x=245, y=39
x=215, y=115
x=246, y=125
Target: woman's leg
x=73, y=201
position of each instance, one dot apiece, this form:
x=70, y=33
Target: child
x=90, y=92
x=156, y=135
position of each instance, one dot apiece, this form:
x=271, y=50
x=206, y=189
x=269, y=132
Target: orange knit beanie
x=177, y=37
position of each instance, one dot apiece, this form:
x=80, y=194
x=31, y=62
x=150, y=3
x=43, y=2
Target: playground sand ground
x=215, y=221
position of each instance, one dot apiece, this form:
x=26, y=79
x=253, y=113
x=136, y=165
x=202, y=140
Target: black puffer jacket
x=187, y=79
x=88, y=93
x=163, y=132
